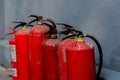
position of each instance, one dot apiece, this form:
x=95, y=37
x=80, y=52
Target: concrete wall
x=100, y=18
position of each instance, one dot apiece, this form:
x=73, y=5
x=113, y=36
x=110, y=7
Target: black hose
x=100, y=54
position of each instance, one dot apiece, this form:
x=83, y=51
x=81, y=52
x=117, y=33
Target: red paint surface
x=35, y=41
x=13, y=63
x=62, y=58
x=50, y=59
x=22, y=49
x=80, y=61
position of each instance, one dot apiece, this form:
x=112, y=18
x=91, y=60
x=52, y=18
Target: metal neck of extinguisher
x=80, y=34
x=24, y=25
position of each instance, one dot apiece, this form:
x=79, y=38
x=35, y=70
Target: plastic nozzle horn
x=22, y=24
x=37, y=18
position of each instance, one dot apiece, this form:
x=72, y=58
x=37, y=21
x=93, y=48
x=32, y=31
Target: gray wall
x=100, y=18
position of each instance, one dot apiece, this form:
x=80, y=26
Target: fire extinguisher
x=80, y=62
x=22, y=51
x=13, y=58
x=62, y=48
x=13, y=54
x=37, y=34
x=50, y=56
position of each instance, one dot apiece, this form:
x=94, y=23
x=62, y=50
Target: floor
x=107, y=74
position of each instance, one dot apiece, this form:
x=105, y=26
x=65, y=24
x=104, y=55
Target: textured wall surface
x=100, y=18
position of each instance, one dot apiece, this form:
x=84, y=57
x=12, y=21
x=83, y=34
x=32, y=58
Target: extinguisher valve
x=41, y=20
x=24, y=25
x=37, y=18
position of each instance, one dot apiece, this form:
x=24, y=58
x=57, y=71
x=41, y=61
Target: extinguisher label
x=14, y=72
x=13, y=52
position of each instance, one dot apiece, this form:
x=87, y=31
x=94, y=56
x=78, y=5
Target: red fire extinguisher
x=62, y=50
x=13, y=54
x=37, y=34
x=50, y=56
x=13, y=58
x=22, y=51
x=79, y=63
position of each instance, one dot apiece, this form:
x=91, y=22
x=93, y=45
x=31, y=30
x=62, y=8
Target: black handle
x=21, y=24
x=37, y=18
x=40, y=18
x=100, y=54
x=66, y=25
x=69, y=36
x=67, y=29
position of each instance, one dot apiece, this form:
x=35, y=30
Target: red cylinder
x=36, y=38
x=80, y=61
x=50, y=59
x=62, y=58
x=22, y=50
x=13, y=58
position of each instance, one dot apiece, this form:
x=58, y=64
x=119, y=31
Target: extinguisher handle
x=66, y=25
x=42, y=20
x=21, y=24
x=37, y=18
x=100, y=54
x=73, y=35
x=65, y=32
x=51, y=21
x=66, y=28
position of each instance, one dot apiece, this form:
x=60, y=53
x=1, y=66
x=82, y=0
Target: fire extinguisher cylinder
x=22, y=51
x=50, y=55
x=81, y=54
x=38, y=34
x=13, y=54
